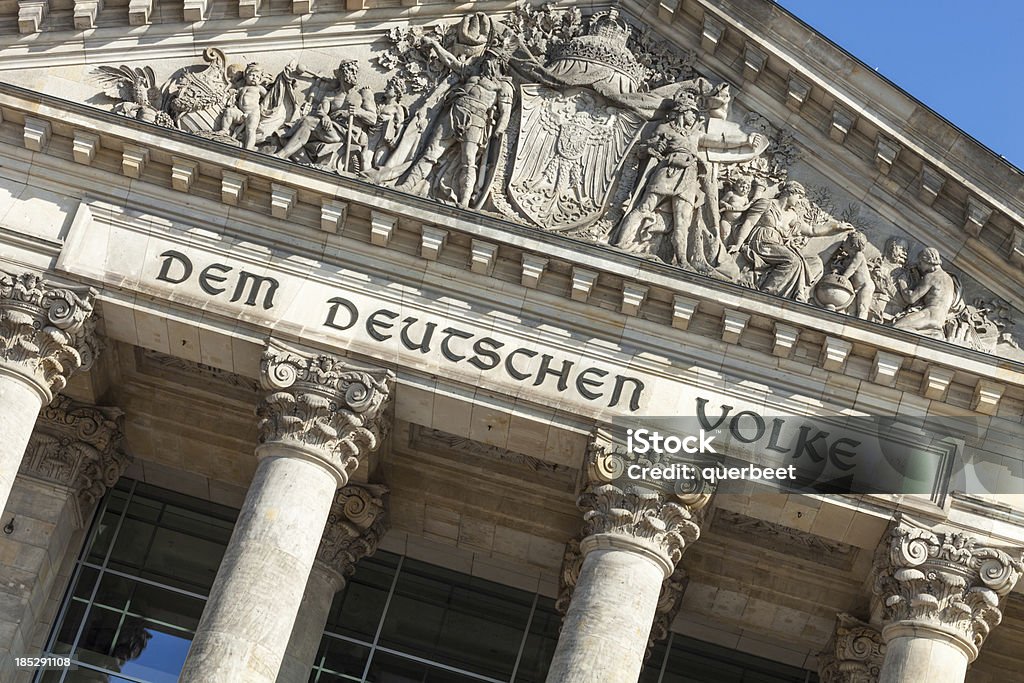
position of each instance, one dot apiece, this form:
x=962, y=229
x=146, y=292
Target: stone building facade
x=321, y=325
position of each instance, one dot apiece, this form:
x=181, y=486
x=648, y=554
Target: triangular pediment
x=797, y=174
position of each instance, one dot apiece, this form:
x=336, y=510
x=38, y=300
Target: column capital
x=328, y=409
x=46, y=331
x=357, y=521
x=854, y=654
x=645, y=522
x=942, y=584
x=78, y=446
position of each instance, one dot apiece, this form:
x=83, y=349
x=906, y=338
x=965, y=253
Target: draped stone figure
x=335, y=130
x=773, y=237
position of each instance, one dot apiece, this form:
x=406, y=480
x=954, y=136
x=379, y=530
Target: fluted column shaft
x=46, y=333
x=318, y=418
x=915, y=654
x=75, y=454
x=940, y=594
x=19, y=405
x=605, y=630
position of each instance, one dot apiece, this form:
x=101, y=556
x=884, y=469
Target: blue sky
x=965, y=60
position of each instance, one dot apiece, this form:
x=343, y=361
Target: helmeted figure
x=475, y=111
x=683, y=149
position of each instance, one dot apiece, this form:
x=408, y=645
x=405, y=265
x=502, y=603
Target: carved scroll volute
x=328, y=408
x=853, y=655
x=357, y=522
x=80, y=447
x=945, y=580
x=46, y=332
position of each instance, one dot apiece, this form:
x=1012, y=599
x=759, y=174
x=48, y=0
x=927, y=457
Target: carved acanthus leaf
x=324, y=405
x=77, y=446
x=46, y=332
x=854, y=654
x=945, y=580
x=357, y=521
x=644, y=518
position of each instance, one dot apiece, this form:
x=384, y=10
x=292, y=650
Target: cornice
x=672, y=297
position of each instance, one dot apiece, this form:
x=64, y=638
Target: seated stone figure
x=931, y=299
x=774, y=235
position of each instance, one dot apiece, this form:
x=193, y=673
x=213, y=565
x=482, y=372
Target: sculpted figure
x=890, y=275
x=732, y=205
x=474, y=113
x=850, y=277
x=391, y=118
x=931, y=298
x=774, y=235
x=246, y=109
x=337, y=134
x=676, y=150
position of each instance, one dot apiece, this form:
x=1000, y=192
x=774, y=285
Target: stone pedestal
x=45, y=335
x=73, y=456
x=631, y=544
x=357, y=521
x=940, y=594
x=318, y=418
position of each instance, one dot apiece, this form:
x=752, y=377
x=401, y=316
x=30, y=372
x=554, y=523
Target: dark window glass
x=456, y=620
x=540, y=643
x=136, y=598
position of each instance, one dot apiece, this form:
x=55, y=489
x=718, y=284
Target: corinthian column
x=319, y=417
x=357, y=522
x=632, y=539
x=940, y=593
x=45, y=335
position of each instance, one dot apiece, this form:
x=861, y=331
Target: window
x=400, y=620
x=140, y=586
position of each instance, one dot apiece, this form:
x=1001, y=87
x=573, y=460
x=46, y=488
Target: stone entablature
x=672, y=299
x=646, y=154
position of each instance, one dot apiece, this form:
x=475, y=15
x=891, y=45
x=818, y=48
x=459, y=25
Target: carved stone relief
x=77, y=446
x=586, y=126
